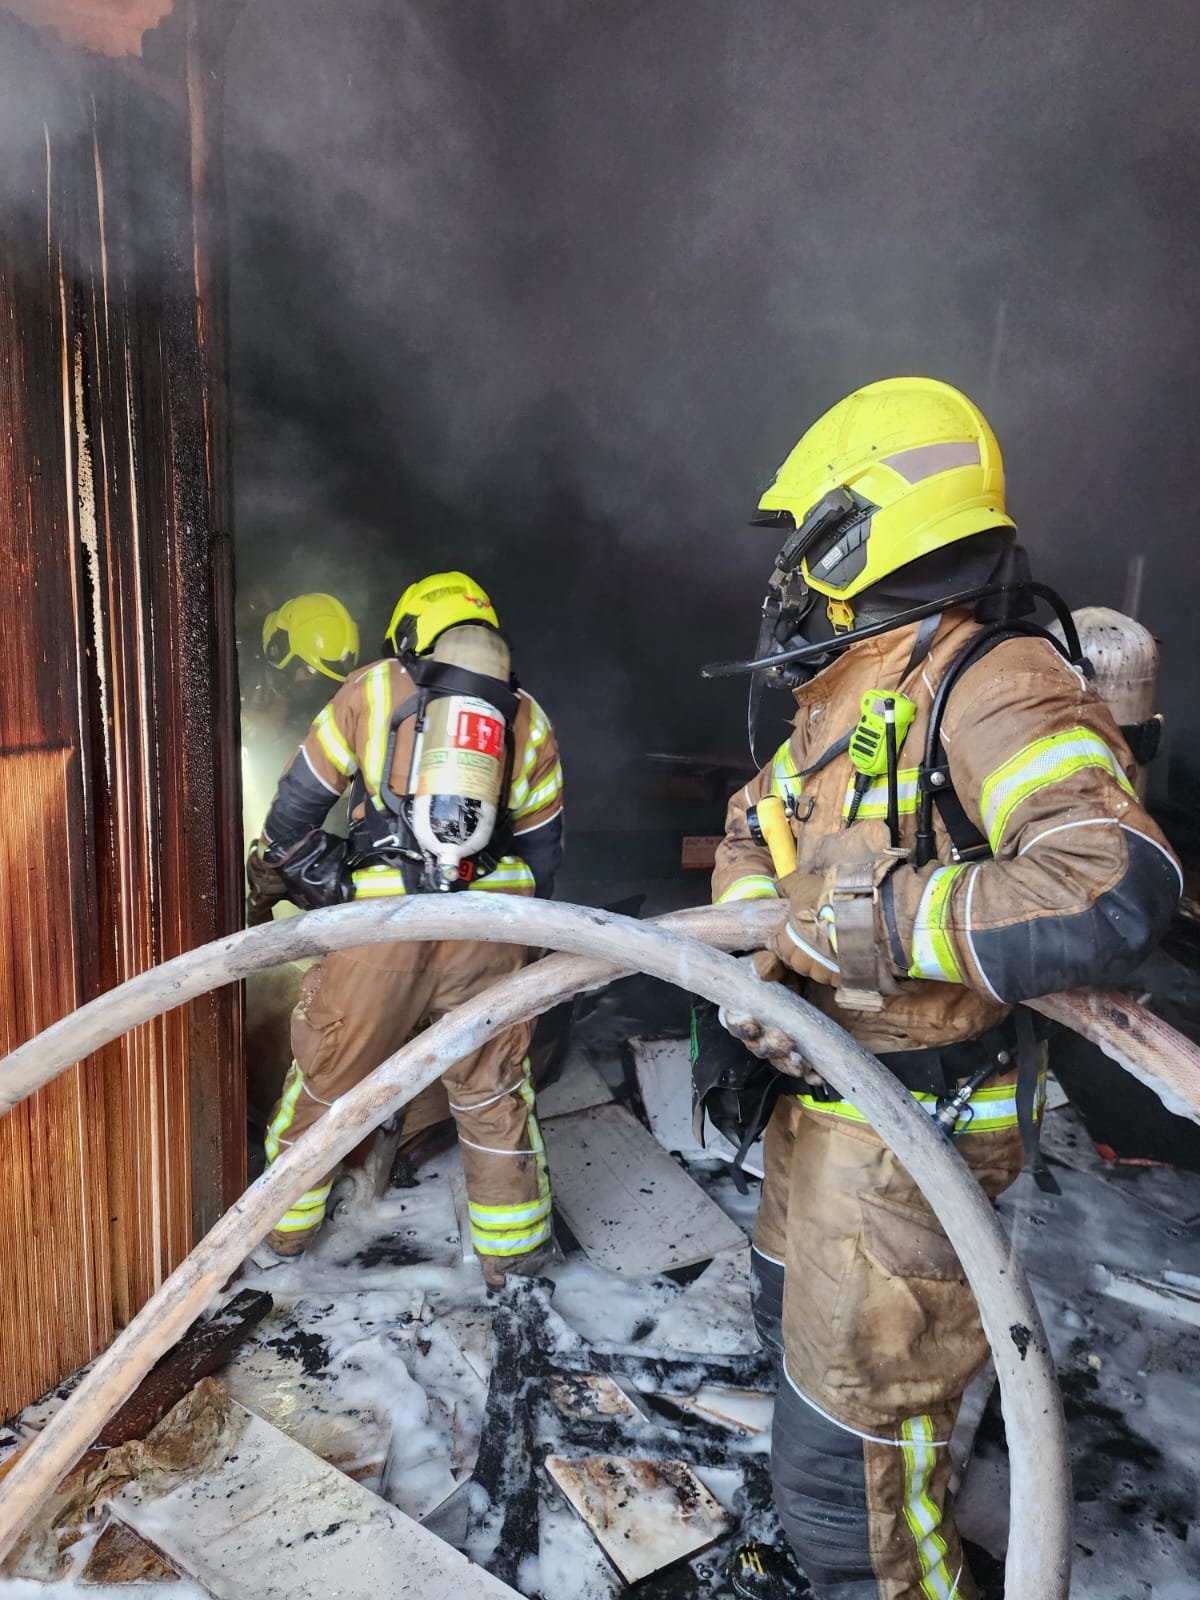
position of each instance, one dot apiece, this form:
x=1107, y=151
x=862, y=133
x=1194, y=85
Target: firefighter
x=309, y=646
x=918, y=927
x=418, y=799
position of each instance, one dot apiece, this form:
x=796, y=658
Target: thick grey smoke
x=548, y=290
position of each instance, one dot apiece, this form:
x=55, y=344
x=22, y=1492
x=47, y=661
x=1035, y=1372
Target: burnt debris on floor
x=599, y=1429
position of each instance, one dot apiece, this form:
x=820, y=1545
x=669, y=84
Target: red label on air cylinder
x=477, y=732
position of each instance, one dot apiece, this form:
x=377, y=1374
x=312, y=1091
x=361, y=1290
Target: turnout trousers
x=860, y=1296
x=356, y=1008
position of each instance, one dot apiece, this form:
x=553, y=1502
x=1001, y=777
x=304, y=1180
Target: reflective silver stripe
x=479, y=1105
x=371, y=883
x=549, y=789
x=378, y=688
x=539, y=729
x=755, y=887
x=1137, y=832
x=924, y=1518
x=514, y=1242
x=510, y=874
x=971, y=939
x=519, y=833
x=932, y=956
x=786, y=782
x=329, y=737
x=874, y=800
x=1044, y=762
x=315, y=773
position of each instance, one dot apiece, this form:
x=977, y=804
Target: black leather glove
x=315, y=871
x=267, y=888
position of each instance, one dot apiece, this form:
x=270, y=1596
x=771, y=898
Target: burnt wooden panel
x=119, y=831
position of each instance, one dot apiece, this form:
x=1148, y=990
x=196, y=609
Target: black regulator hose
x=834, y=646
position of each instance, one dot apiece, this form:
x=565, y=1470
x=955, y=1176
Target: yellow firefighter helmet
x=893, y=472
x=315, y=629
x=427, y=608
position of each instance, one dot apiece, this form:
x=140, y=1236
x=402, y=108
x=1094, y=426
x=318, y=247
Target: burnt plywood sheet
x=632, y=1209
x=644, y=1515
x=302, y=1531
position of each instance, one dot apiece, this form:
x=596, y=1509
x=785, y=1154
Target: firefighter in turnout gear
x=942, y=876
x=455, y=784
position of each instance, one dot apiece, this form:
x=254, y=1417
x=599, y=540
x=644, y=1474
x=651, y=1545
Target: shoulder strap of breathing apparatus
x=934, y=785
x=434, y=680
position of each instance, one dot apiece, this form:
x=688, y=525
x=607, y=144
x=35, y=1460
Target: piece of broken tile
x=120, y=1555
x=644, y=1515
x=301, y=1529
x=471, y=1331
x=579, y=1087
x=713, y=1313
x=273, y=1381
x=748, y=1410
x=590, y=1394
x=633, y=1210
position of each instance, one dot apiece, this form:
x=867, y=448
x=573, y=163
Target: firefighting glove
x=806, y=942
x=769, y=1044
x=835, y=931
x=315, y=871
x=267, y=888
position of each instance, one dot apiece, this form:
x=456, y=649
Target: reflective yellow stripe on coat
x=1036, y=767
x=786, y=782
x=755, y=887
x=932, y=950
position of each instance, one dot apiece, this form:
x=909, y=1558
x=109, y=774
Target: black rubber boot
x=764, y=1572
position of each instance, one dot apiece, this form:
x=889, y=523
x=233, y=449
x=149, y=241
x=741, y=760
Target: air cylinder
x=461, y=758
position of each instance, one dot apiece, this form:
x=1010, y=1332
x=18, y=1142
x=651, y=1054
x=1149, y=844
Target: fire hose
x=599, y=947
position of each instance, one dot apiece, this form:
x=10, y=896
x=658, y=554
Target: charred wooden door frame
x=120, y=817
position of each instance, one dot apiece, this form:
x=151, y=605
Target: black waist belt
x=940, y=1068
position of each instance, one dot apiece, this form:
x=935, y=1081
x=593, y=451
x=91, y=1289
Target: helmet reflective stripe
x=1038, y=765
x=932, y=953
x=755, y=887
x=427, y=608
x=924, y=1518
